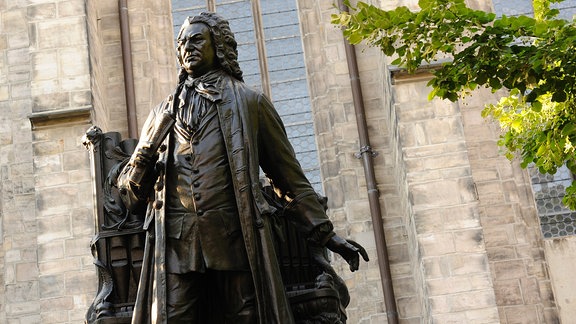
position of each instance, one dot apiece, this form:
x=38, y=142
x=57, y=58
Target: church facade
x=471, y=237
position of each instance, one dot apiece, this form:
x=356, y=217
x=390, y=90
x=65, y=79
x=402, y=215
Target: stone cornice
x=61, y=116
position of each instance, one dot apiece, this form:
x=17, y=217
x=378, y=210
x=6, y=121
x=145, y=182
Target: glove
x=349, y=250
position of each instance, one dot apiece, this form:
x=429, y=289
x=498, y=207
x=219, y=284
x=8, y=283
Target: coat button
x=162, y=148
x=200, y=212
x=159, y=185
x=196, y=184
x=188, y=158
x=197, y=196
x=195, y=171
x=158, y=204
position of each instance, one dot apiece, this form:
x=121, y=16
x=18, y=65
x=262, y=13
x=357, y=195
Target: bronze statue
x=212, y=252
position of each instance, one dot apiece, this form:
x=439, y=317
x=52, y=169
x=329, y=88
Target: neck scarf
x=196, y=98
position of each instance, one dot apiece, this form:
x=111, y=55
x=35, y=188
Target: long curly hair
x=225, y=45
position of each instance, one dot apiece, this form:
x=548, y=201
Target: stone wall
x=445, y=192
x=57, y=59
x=153, y=60
x=46, y=197
x=444, y=225
x=342, y=173
x=510, y=223
x=19, y=295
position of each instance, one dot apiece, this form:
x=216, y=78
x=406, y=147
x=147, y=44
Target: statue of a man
x=196, y=172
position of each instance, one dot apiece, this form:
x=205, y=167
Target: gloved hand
x=349, y=250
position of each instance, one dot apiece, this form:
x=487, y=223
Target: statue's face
x=196, y=50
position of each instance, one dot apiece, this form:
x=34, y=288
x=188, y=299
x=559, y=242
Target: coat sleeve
x=138, y=176
x=278, y=161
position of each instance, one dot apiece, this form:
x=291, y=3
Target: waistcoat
x=203, y=226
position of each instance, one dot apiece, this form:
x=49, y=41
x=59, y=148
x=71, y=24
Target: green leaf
x=569, y=129
x=559, y=96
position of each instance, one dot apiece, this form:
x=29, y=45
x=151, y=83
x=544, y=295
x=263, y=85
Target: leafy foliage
x=534, y=58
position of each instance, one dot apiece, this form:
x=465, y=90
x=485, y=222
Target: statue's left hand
x=349, y=250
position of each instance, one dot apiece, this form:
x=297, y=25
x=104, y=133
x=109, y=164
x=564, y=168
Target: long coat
x=254, y=136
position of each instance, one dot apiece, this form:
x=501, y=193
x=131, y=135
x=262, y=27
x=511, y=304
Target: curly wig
x=225, y=45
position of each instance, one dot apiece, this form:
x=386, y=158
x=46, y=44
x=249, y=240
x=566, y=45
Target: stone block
x=500, y=236
x=4, y=93
x=44, y=101
x=80, y=282
x=357, y=210
x=12, y=256
x=54, y=316
x=54, y=179
x=508, y=292
x=409, y=306
x=436, y=244
x=42, y=87
x=52, y=286
x=73, y=61
x=83, y=224
x=434, y=150
x=471, y=240
x=49, y=32
x=77, y=160
x=521, y=314
x=22, y=308
x=483, y=316
x=21, y=292
x=60, y=266
x=42, y=11
x=71, y=8
x=442, y=193
x=15, y=19
x=20, y=90
x=437, y=162
x=398, y=253
x=509, y=269
x=75, y=83
x=57, y=303
x=436, y=267
x=411, y=91
x=57, y=226
x=468, y=263
x=51, y=251
x=76, y=246
x=47, y=164
x=78, y=176
x=27, y=272
x=530, y=290
x=472, y=300
x=18, y=40
x=22, y=152
x=48, y=147
x=501, y=253
x=3, y=47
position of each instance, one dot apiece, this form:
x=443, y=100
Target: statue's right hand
x=142, y=166
x=144, y=157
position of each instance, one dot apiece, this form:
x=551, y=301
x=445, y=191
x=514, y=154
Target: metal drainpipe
x=128, y=71
x=366, y=154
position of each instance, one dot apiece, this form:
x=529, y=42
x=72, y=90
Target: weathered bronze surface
x=187, y=229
